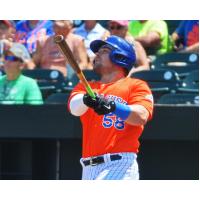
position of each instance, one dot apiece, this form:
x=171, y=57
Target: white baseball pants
x=124, y=169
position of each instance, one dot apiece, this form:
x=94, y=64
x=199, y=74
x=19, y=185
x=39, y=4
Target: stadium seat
x=57, y=98
x=183, y=98
x=182, y=71
x=160, y=81
x=190, y=83
x=180, y=59
x=49, y=81
x=182, y=63
x=89, y=74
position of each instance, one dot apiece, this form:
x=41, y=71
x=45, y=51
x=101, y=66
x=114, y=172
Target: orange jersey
x=108, y=133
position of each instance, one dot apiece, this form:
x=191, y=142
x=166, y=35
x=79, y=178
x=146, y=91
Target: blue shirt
x=29, y=36
x=188, y=30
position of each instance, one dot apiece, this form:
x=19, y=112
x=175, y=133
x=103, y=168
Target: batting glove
x=100, y=105
x=89, y=101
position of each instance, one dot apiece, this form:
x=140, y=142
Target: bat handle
x=87, y=86
x=90, y=92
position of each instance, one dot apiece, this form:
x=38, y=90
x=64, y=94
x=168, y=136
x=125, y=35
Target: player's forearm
x=76, y=105
x=138, y=116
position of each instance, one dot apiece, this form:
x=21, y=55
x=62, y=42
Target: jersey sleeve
x=141, y=94
x=33, y=95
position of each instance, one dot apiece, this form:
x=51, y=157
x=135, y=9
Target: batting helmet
x=122, y=54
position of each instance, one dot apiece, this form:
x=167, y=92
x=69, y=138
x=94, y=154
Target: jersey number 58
x=111, y=119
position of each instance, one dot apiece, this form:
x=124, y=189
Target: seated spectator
x=16, y=88
x=7, y=34
x=91, y=30
x=48, y=55
x=152, y=34
x=28, y=32
x=120, y=28
x=6, y=29
x=186, y=36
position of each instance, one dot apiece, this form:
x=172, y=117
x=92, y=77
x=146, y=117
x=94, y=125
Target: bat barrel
x=64, y=48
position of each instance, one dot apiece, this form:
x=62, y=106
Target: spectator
x=16, y=88
x=5, y=29
x=28, y=32
x=152, y=34
x=7, y=34
x=186, y=36
x=91, y=30
x=120, y=28
x=48, y=55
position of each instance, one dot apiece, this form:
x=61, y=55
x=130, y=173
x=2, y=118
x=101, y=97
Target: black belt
x=100, y=159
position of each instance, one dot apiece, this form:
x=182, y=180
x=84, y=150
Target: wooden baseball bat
x=63, y=46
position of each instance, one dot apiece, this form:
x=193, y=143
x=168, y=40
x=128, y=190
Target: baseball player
x=114, y=120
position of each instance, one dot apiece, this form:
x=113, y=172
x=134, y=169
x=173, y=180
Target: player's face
x=102, y=62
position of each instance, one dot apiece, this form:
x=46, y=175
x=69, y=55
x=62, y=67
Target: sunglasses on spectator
x=117, y=27
x=12, y=58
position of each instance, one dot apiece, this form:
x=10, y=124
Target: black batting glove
x=99, y=104
x=104, y=106
x=89, y=101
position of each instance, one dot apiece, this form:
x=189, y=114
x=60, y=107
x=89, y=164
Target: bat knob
x=58, y=38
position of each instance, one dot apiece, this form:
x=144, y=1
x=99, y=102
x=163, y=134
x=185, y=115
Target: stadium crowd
x=150, y=38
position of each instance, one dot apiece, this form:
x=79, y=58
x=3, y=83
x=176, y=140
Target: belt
x=100, y=159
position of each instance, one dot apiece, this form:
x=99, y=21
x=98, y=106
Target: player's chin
x=97, y=65
x=97, y=68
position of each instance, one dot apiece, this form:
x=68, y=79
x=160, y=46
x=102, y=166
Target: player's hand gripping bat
x=63, y=46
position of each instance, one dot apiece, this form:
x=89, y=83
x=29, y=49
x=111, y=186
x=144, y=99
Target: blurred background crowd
x=27, y=47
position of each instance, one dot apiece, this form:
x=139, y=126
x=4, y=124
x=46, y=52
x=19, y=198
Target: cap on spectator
x=20, y=51
x=120, y=22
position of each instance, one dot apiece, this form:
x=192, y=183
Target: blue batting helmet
x=122, y=54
